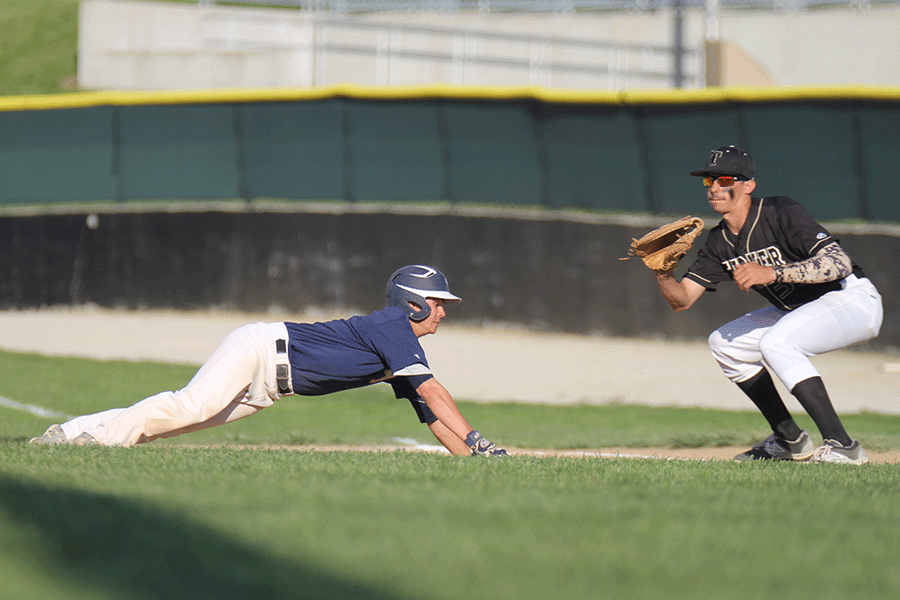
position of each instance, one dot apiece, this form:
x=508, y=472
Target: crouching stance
x=260, y=363
x=820, y=300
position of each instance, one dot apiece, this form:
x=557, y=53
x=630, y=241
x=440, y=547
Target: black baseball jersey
x=778, y=231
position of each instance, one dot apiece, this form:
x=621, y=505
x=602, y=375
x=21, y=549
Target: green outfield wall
x=835, y=150
x=297, y=200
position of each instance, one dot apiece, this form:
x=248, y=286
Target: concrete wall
x=728, y=65
x=143, y=45
x=544, y=272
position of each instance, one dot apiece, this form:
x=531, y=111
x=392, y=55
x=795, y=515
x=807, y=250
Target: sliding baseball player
x=258, y=364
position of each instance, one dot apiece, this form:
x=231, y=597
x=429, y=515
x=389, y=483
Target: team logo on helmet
x=428, y=272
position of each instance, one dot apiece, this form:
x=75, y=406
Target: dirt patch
x=720, y=453
x=726, y=453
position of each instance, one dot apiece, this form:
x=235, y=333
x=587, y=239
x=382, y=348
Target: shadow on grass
x=139, y=551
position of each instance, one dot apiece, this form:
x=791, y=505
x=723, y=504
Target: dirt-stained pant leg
x=236, y=381
x=79, y=425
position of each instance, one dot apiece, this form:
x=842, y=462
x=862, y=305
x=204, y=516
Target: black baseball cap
x=728, y=160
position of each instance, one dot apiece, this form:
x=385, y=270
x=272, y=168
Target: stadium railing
x=554, y=6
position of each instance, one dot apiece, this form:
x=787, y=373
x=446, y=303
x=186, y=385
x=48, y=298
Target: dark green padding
x=178, y=152
x=56, y=155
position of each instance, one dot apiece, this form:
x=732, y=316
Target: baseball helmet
x=728, y=160
x=415, y=283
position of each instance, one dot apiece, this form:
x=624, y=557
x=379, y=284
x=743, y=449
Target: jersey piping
x=779, y=231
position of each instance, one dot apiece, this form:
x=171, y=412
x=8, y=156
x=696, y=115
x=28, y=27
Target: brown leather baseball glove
x=662, y=248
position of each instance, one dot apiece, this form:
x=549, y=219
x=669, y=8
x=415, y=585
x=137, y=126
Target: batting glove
x=480, y=446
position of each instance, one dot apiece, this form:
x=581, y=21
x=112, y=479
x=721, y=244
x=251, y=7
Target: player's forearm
x=444, y=407
x=830, y=264
x=450, y=440
x=673, y=291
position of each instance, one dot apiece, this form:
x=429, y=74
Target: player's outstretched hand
x=481, y=446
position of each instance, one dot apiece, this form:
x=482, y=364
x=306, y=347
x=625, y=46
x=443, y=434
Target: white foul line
x=35, y=410
x=419, y=445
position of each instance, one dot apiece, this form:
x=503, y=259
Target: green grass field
x=39, y=46
x=168, y=520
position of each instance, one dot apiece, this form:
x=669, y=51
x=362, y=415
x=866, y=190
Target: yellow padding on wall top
x=692, y=96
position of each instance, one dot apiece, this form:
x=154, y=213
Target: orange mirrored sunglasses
x=724, y=180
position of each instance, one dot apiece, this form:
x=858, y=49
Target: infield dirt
x=483, y=363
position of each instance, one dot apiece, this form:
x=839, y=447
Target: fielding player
x=258, y=364
x=820, y=301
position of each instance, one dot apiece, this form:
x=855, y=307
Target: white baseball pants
x=236, y=381
x=785, y=340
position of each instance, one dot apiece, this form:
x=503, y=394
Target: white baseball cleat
x=54, y=435
x=835, y=452
x=85, y=439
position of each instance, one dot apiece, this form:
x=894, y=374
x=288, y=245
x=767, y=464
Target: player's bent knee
x=718, y=345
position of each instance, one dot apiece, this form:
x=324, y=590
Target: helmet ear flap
x=401, y=296
x=422, y=313
x=416, y=307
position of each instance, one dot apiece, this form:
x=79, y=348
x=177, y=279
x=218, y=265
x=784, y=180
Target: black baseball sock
x=761, y=390
x=815, y=401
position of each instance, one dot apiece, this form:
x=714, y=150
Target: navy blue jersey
x=778, y=231
x=348, y=353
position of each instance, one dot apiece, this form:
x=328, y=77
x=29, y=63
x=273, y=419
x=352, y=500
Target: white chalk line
x=417, y=445
x=596, y=454
x=32, y=409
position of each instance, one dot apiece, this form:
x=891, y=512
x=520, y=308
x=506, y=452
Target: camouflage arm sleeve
x=830, y=264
